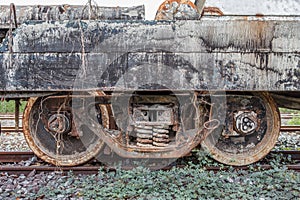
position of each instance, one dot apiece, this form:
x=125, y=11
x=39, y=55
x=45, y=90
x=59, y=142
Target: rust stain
x=212, y=11
x=164, y=5
x=259, y=15
x=165, y=9
x=259, y=32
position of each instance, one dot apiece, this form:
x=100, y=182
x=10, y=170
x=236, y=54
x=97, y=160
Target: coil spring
x=160, y=136
x=149, y=136
x=144, y=135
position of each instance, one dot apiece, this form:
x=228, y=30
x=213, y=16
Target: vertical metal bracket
x=17, y=113
x=13, y=20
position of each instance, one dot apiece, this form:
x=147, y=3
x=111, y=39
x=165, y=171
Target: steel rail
x=95, y=169
x=9, y=117
x=10, y=129
x=12, y=117
x=289, y=116
x=284, y=128
x=290, y=128
x=18, y=170
x=14, y=157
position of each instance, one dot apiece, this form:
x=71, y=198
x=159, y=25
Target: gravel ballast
x=191, y=182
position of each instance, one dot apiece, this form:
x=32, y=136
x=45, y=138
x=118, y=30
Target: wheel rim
x=68, y=148
x=255, y=146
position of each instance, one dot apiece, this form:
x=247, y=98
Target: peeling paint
x=215, y=53
x=70, y=12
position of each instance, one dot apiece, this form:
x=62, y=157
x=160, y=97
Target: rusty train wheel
x=250, y=130
x=51, y=134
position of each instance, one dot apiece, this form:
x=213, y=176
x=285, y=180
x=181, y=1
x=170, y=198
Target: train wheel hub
x=245, y=122
x=59, y=123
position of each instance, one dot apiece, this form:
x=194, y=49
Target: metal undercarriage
x=70, y=127
x=139, y=89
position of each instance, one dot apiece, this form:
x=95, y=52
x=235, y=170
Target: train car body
x=109, y=82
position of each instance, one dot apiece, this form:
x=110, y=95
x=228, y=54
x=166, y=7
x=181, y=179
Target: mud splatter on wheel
x=249, y=132
x=52, y=135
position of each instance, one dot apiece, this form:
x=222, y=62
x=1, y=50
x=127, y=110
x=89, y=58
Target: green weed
x=294, y=121
x=8, y=107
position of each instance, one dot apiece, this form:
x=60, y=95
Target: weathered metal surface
x=177, y=9
x=212, y=11
x=287, y=99
x=224, y=53
x=153, y=125
x=256, y=7
x=292, y=128
x=17, y=114
x=89, y=170
x=70, y=12
x=47, y=169
x=124, y=140
x=6, y=157
x=210, y=34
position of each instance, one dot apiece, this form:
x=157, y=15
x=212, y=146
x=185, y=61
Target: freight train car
x=104, y=81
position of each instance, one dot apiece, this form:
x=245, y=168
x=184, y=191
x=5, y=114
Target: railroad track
x=10, y=129
x=9, y=117
x=12, y=117
x=289, y=116
x=16, y=157
x=285, y=128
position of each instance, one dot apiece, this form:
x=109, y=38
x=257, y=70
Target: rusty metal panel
x=144, y=70
x=215, y=53
x=70, y=12
x=223, y=34
x=256, y=7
